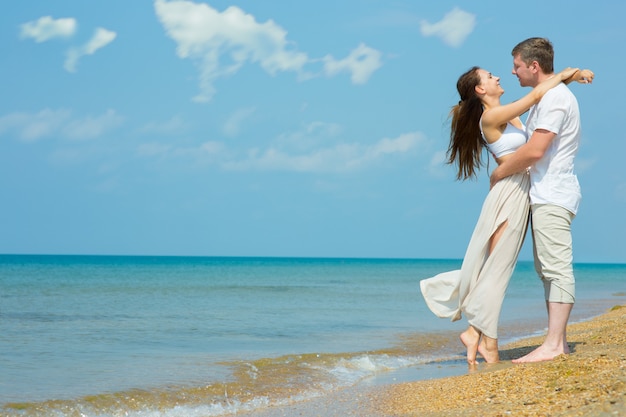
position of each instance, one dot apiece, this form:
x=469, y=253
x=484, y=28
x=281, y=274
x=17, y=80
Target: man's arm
x=525, y=156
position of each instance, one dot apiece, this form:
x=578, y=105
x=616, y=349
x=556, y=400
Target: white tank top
x=511, y=139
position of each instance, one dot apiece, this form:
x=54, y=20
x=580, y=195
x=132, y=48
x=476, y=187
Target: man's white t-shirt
x=552, y=178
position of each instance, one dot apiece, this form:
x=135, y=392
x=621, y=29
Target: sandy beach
x=591, y=381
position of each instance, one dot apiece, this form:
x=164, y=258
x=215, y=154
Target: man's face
x=526, y=74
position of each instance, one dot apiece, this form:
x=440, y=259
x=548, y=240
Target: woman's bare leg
x=488, y=349
x=497, y=235
x=471, y=338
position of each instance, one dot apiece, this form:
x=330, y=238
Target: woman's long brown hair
x=466, y=141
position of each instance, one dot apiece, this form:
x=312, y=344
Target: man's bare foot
x=488, y=348
x=543, y=353
x=470, y=339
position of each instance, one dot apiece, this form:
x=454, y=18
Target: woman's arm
x=583, y=77
x=498, y=116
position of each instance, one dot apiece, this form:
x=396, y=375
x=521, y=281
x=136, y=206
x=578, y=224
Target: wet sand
x=591, y=381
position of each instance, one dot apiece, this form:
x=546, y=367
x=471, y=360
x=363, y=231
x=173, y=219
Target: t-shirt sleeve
x=551, y=111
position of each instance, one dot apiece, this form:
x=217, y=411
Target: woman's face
x=489, y=83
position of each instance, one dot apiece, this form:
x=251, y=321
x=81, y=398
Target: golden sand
x=590, y=381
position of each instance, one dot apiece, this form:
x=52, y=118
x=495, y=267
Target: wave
x=252, y=385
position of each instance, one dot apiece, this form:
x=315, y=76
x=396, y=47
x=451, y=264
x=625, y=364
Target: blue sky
x=278, y=128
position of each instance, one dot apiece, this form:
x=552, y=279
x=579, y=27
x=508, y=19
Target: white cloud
x=338, y=158
x=92, y=127
x=100, y=39
x=453, y=29
x=47, y=123
x=205, y=35
x=69, y=156
x=311, y=136
x=361, y=63
x=307, y=150
x=212, y=147
x=32, y=127
x=234, y=122
x=206, y=152
x=584, y=164
x=221, y=43
x=46, y=28
x=437, y=166
x=153, y=149
x=328, y=129
x=172, y=126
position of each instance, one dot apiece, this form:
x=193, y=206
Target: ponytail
x=466, y=141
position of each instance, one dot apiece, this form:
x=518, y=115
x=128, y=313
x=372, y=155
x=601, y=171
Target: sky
x=279, y=128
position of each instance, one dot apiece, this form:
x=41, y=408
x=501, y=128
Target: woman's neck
x=490, y=103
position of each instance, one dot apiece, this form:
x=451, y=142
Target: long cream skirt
x=478, y=288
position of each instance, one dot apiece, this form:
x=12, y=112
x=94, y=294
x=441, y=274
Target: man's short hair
x=536, y=49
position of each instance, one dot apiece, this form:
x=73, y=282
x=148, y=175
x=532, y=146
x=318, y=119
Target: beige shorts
x=552, y=246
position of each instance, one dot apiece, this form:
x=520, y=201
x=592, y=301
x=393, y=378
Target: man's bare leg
x=488, y=348
x=555, y=343
x=470, y=338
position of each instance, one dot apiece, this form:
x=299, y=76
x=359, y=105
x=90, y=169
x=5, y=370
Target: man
x=554, y=128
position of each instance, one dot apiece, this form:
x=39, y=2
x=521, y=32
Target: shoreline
x=591, y=381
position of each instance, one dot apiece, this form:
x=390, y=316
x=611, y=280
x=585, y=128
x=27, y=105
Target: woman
x=478, y=288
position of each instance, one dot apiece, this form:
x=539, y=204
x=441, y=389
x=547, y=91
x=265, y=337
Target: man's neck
x=542, y=77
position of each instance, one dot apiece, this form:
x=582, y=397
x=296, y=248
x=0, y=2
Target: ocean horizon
x=102, y=335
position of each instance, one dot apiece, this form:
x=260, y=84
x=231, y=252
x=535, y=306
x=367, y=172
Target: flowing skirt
x=478, y=288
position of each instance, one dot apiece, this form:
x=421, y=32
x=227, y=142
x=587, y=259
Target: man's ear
x=535, y=67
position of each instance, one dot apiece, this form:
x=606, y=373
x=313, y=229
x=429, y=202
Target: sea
x=147, y=336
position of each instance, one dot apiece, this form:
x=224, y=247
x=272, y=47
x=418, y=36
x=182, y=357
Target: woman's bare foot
x=470, y=338
x=488, y=349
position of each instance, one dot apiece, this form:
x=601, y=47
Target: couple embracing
x=534, y=180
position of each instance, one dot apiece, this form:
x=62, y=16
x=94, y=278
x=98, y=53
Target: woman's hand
x=584, y=76
x=580, y=76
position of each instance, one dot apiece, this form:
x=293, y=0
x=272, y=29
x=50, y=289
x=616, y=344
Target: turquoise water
x=110, y=335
